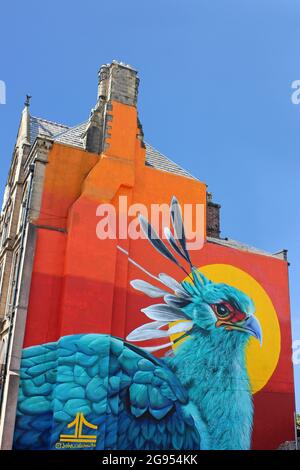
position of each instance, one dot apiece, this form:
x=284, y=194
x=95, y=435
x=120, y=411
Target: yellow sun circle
x=261, y=359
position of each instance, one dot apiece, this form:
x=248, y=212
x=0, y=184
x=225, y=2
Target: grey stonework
x=20, y=207
x=18, y=323
x=103, y=82
x=212, y=218
x=289, y=445
x=123, y=84
x=117, y=82
x=94, y=138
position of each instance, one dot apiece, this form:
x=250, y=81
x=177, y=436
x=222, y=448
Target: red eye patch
x=227, y=313
x=238, y=316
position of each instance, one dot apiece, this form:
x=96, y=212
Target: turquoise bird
x=198, y=396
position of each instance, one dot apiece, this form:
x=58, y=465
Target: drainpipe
x=16, y=291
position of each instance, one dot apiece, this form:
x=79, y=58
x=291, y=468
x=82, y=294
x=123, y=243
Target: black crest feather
x=155, y=241
x=177, y=223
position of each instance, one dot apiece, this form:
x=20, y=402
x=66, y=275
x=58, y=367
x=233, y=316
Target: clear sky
x=215, y=95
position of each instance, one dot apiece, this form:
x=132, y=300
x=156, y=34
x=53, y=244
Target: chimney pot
x=103, y=82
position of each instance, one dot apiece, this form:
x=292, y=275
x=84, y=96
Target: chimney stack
x=212, y=217
x=117, y=82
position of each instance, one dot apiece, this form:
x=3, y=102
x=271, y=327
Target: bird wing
x=126, y=397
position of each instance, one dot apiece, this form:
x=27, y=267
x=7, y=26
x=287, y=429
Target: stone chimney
x=212, y=217
x=117, y=82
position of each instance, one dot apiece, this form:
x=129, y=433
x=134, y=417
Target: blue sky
x=215, y=95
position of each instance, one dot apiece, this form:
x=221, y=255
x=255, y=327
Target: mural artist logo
x=122, y=221
x=2, y=92
x=78, y=439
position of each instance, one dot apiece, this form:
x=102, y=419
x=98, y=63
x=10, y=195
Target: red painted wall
x=80, y=284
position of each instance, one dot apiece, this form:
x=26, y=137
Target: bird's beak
x=252, y=326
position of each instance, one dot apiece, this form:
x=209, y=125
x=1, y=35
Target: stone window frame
x=3, y=353
x=12, y=282
x=3, y=345
x=6, y=225
x=22, y=210
x=2, y=269
x=12, y=174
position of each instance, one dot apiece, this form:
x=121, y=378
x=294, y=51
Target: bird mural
x=117, y=395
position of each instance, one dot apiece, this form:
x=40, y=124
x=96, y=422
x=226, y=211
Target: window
x=3, y=349
x=5, y=197
x=3, y=343
x=12, y=283
x=6, y=224
x=1, y=276
x=22, y=213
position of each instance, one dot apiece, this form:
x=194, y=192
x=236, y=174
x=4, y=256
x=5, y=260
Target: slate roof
x=73, y=136
x=230, y=243
x=40, y=126
x=157, y=160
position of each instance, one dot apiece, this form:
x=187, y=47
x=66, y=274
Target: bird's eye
x=226, y=312
x=222, y=310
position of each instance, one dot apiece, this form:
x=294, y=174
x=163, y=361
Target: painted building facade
x=79, y=366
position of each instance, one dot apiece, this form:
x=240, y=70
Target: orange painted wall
x=77, y=279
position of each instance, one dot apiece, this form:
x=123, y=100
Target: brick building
x=55, y=276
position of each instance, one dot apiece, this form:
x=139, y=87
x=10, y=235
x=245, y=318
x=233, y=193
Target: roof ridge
x=233, y=243
x=70, y=129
